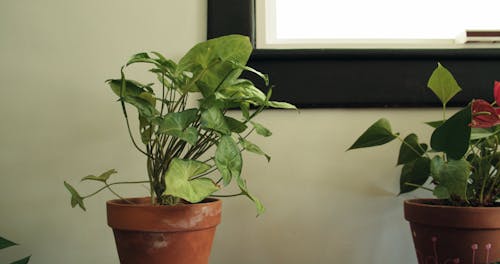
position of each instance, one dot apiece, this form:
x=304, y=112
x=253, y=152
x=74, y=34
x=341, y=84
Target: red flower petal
x=484, y=115
x=496, y=92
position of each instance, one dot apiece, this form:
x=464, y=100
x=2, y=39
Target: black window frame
x=330, y=78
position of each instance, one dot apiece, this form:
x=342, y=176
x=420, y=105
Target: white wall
x=60, y=122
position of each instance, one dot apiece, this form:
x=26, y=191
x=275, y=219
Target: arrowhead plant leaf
x=261, y=130
x=102, y=178
x=410, y=149
x=76, y=199
x=247, y=145
x=179, y=181
x=443, y=84
x=377, y=134
x=415, y=172
x=228, y=159
x=214, y=119
x=4, y=243
x=453, y=136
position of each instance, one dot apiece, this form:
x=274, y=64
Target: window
x=368, y=23
x=364, y=77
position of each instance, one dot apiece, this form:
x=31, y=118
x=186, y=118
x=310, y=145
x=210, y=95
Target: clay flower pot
x=448, y=234
x=180, y=234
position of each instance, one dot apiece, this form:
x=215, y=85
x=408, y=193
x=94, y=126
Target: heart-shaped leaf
x=228, y=159
x=377, y=134
x=453, y=136
x=214, y=119
x=244, y=190
x=443, y=84
x=178, y=180
x=416, y=172
x=177, y=124
x=410, y=149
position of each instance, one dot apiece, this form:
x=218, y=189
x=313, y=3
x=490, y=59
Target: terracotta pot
x=180, y=234
x=448, y=234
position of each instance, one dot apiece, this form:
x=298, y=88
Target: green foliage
x=4, y=243
x=452, y=137
x=443, y=84
x=377, y=134
x=463, y=161
x=190, y=150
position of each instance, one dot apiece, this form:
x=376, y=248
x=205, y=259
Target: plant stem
x=111, y=184
x=228, y=195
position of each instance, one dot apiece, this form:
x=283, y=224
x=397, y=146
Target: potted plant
x=461, y=167
x=192, y=150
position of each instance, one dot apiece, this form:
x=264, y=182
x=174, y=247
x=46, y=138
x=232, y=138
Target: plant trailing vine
x=186, y=146
x=462, y=165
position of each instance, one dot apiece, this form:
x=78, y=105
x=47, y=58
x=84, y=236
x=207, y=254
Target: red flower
x=496, y=92
x=483, y=114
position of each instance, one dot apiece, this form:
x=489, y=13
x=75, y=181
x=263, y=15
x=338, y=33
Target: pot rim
x=157, y=218
x=417, y=211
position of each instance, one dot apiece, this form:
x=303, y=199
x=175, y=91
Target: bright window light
x=372, y=21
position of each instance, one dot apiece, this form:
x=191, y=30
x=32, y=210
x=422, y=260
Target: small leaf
x=410, y=149
x=453, y=136
x=443, y=84
x=416, y=172
x=22, y=261
x=102, y=178
x=235, y=125
x=4, y=243
x=377, y=134
x=243, y=187
x=247, y=145
x=75, y=197
x=228, y=159
x=179, y=182
x=283, y=105
x=261, y=130
x=213, y=119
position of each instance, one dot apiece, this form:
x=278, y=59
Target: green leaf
x=102, y=178
x=453, y=136
x=480, y=133
x=443, y=84
x=4, y=243
x=245, y=110
x=452, y=175
x=177, y=124
x=441, y=192
x=247, y=145
x=228, y=159
x=132, y=88
x=211, y=61
x=213, y=119
x=283, y=105
x=415, y=172
x=235, y=125
x=377, y=134
x=435, y=124
x=179, y=182
x=243, y=187
x=261, y=130
x=410, y=149
x=242, y=90
x=75, y=197
x=22, y=261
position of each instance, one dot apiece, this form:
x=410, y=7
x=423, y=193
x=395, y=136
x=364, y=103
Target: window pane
x=381, y=19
